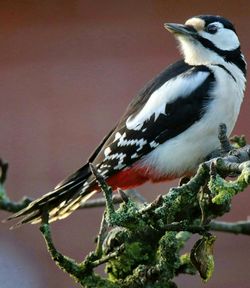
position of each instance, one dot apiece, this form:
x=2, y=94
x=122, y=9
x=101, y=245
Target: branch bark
x=239, y=227
x=140, y=242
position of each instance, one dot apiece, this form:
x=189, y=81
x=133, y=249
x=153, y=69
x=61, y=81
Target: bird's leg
x=224, y=140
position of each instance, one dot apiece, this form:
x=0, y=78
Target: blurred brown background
x=67, y=71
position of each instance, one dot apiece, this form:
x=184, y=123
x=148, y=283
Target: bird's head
x=207, y=39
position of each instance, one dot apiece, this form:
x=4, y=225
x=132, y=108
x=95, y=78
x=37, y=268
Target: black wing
x=127, y=145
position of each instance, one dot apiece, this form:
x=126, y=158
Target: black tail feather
x=62, y=201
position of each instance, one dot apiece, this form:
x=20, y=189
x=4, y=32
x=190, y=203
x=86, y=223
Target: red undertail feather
x=133, y=177
x=127, y=179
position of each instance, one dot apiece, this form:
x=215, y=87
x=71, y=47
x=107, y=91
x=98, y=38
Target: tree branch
x=141, y=242
x=116, y=198
x=239, y=227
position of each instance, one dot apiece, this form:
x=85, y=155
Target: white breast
x=183, y=153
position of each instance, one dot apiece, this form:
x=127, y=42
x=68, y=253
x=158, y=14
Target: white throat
x=196, y=54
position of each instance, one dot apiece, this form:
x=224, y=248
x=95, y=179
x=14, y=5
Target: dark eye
x=212, y=29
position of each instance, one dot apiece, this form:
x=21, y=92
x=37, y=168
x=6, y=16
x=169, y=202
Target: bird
x=169, y=127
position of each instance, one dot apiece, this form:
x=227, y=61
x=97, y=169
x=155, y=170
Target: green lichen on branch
x=141, y=243
x=80, y=272
x=222, y=190
x=238, y=141
x=179, y=210
x=5, y=203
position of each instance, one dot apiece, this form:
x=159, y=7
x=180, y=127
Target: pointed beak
x=180, y=29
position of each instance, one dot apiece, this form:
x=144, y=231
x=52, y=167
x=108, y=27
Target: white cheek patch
x=224, y=39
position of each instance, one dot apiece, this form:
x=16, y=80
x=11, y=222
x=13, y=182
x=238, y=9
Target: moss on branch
x=141, y=243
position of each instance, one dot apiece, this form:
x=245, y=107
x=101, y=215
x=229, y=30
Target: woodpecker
x=170, y=126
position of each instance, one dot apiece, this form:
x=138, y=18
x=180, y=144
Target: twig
x=135, y=196
x=3, y=172
x=183, y=226
x=100, y=202
x=116, y=198
x=81, y=272
x=101, y=235
x=123, y=196
x=7, y=205
x=107, y=257
x=239, y=227
x=65, y=263
x=151, y=207
x=105, y=188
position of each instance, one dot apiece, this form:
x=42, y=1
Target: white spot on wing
x=120, y=164
x=104, y=172
x=153, y=144
x=135, y=155
x=130, y=142
x=107, y=151
x=117, y=136
x=180, y=86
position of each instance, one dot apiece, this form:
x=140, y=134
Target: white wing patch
x=180, y=86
